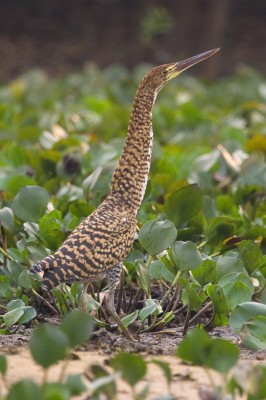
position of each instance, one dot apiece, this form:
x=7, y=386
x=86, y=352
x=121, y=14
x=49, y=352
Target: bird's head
x=159, y=76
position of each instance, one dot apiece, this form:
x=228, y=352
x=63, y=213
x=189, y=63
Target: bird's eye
x=165, y=72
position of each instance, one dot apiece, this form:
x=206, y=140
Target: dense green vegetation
x=200, y=257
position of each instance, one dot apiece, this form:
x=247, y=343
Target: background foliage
x=202, y=223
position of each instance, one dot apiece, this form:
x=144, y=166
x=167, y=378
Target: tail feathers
x=47, y=272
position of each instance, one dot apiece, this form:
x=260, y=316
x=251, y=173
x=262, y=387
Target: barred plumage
x=97, y=247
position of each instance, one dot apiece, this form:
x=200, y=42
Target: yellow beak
x=181, y=66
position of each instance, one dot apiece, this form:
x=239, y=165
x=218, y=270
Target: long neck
x=131, y=174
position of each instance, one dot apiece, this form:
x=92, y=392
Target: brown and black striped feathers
x=98, y=243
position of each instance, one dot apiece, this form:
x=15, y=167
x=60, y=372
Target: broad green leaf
x=16, y=182
x=132, y=366
x=223, y=355
x=250, y=254
x=156, y=236
x=226, y=265
x=156, y=268
x=205, y=273
x=186, y=256
x=30, y=203
x=236, y=276
x=236, y=292
x=183, y=204
x=245, y=312
x=11, y=317
x=25, y=390
x=48, y=337
x=29, y=313
x=13, y=304
x=78, y=327
x=7, y=219
x=253, y=333
x=199, y=349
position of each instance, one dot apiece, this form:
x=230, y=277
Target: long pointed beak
x=181, y=66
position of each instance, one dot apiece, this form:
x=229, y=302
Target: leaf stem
x=174, y=283
x=46, y=302
x=6, y=254
x=64, y=367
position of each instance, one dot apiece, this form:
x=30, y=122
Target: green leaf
x=48, y=337
x=226, y=265
x=5, y=287
x=199, y=349
x=156, y=269
x=128, y=319
x=223, y=355
x=253, y=333
x=56, y=391
x=250, y=254
x=236, y=292
x=189, y=296
x=30, y=203
x=153, y=307
x=183, y=204
x=205, y=273
x=7, y=219
x=245, y=312
x=36, y=251
x=156, y=236
x=185, y=256
x=3, y=364
x=234, y=277
x=220, y=308
x=219, y=229
x=132, y=366
x=81, y=209
x=75, y=384
x=29, y=313
x=13, y=304
x=78, y=327
x=11, y=317
x=25, y=279
x=25, y=390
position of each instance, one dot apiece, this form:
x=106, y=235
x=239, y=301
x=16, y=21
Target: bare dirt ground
x=189, y=382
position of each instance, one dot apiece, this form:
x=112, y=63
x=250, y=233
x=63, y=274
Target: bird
x=97, y=247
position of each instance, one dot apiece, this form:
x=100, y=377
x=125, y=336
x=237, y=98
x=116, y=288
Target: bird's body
x=100, y=243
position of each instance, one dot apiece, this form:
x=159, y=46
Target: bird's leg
x=113, y=280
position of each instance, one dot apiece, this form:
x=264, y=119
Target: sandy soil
x=189, y=382
x=186, y=384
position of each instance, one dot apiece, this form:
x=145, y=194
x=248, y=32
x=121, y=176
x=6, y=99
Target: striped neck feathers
x=131, y=174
